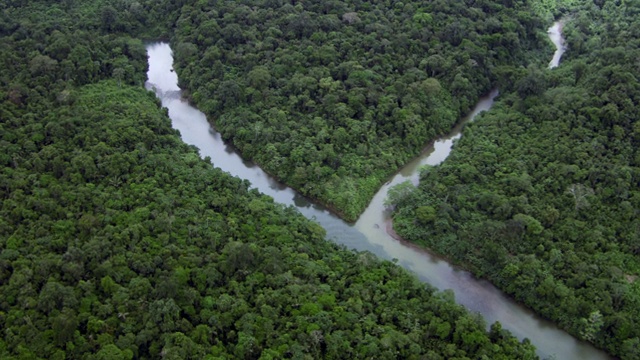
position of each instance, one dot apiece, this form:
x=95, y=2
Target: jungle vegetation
x=117, y=241
x=332, y=97
x=542, y=194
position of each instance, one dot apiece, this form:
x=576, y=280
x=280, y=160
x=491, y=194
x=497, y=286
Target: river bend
x=369, y=232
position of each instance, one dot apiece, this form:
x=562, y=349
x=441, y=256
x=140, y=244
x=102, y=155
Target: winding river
x=369, y=232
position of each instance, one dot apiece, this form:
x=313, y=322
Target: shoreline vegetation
x=329, y=207
x=541, y=197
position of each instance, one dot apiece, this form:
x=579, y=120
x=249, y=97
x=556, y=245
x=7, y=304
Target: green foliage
x=542, y=194
x=161, y=271
x=118, y=242
x=399, y=193
x=426, y=214
x=333, y=97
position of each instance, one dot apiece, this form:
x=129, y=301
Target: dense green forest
x=117, y=241
x=332, y=97
x=542, y=194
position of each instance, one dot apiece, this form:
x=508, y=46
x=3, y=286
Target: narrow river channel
x=555, y=35
x=369, y=232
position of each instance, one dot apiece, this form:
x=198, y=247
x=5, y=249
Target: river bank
x=471, y=190
x=369, y=232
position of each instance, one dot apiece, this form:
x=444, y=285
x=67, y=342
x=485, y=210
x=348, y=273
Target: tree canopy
x=332, y=97
x=542, y=194
x=117, y=241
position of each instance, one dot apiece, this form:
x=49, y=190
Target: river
x=555, y=35
x=369, y=232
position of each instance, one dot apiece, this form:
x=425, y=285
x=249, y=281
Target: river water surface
x=555, y=34
x=369, y=232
